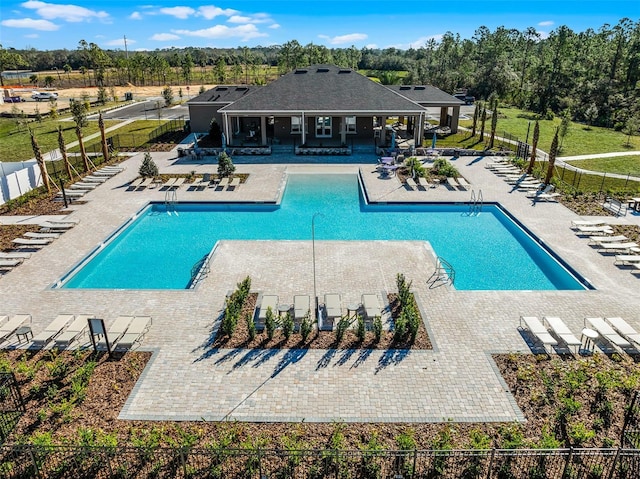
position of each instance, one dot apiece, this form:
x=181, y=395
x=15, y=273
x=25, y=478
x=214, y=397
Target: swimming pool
x=158, y=250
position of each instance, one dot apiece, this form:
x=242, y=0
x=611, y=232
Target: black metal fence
x=11, y=404
x=210, y=463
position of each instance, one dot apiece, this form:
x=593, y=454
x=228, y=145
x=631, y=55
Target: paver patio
x=187, y=380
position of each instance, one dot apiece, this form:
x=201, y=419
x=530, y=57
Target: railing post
x=183, y=461
x=627, y=416
x=491, y=458
x=34, y=461
x=613, y=466
x=566, y=464
x=415, y=460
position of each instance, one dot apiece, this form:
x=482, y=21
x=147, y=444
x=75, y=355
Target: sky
x=402, y=24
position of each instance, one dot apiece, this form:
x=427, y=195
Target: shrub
x=287, y=325
x=377, y=328
x=270, y=323
x=167, y=94
x=305, y=327
x=148, y=168
x=225, y=165
x=341, y=329
x=251, y=327
x=360, y=330
x=442, y=167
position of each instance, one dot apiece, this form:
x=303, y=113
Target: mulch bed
x=317, y=339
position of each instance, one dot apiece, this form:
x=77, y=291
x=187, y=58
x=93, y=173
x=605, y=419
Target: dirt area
x=29, y=106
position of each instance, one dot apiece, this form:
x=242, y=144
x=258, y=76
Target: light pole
x=313, y=253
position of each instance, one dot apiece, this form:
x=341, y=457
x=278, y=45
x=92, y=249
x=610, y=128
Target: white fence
x=18, y=178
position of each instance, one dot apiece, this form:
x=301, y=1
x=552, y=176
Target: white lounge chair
x=169, y=183
x=72, y=194
x=224, y=181
x=234, y=183
x=18, y=255
x=73, y=331
x=95, y=179
x=371, y=305
x=13, y=323
x=422, y=181
x=546, y=197
x=411, y=183
x=603, y=230
x=31, y=234
x=135, y=332
x=81, y=185
x=607, y=239
x=135, y=183
x=51, y=226
x=51, y=331
x=333, y=310
x=463, y=183
x=204, y=182
x=540, y=332
x=301, y=306
x=146, y=182
x=451, y=181
x=628, y=246
x=178, y=183
x=10, y=262
x=624, y=328
x=268, y=301
x=627, y=259
x=32, y=242
x=562, y=331
x=115, y=332
x=577, y=223
x=607, y=332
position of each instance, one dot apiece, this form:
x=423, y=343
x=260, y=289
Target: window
x=323, y=127
x=350, y=124
x=296, y=124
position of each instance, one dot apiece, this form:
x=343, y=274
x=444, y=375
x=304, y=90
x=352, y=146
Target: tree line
x=591, y=76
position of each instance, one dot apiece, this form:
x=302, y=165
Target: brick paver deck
x=187, y=380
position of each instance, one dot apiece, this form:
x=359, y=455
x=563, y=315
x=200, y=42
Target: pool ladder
x=170, y=200
x=444, y=273
x=475, y=203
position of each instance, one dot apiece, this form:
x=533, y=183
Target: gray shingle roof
x=324, y=88
x=224, y=94
x=426, y=94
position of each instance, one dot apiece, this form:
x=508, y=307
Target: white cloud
x=32, y=35
x=543, y=35
x=118, y=42
x=211, y=11
x=164, y=37
x=179, y=12
x=546, y=23
x=135, y=16
x=275, y=26
x=342, y=39
x=255, y=18
x=69, y=13
x=244, y=32
x=43, y=25
x=371, y=46
x=422, y=41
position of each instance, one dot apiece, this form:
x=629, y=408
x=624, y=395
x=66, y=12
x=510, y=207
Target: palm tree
x=63, y=152
x=79, y=112
x=494, y=120
x=105, y=148
x=38, y=154
x=534, y=147
x=552, y=158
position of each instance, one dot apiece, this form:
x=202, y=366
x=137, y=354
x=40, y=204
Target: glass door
x=323, y=127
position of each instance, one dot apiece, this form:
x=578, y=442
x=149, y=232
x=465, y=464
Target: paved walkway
x=187, y=380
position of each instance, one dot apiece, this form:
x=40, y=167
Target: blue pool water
x=158, y=250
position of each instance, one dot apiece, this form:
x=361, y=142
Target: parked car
x=44, y=95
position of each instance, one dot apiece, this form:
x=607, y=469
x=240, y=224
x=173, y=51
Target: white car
x=44, y=95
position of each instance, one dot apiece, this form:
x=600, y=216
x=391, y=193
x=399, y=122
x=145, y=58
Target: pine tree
x=534, y=147
x=148, y=168
x=552, y=158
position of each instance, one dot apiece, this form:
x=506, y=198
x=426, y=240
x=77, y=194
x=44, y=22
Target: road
x=150, y=109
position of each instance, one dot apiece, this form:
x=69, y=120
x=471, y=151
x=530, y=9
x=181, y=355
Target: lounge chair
x=235, y=183
x=463, y=183
x=371, y=306
x=607, y=332
x=422, y=181
x=135, y=332
x=10, y=262
x=332, y=310
x=71, y=194
x=204, y=182
x=95, y=179
x=178, y=183
x=538, y=329
x=83, y=186
x=624, y=328
x=628, y=246
x=51, y=226
x=116, y=331
x=451, y=181
x=603, y=230
x=169, y=183
x=135, y=183
x=607, y=239
x=51, y=331
x=146, y=182
x=627, y=259
x=562, y=331
x=577, y=223
x=301, y=306
x=32, y=242
x=73, y=331
x=13, y=323
x=20, y=255
x=224, y=181
x=546, y=197
x=411, y=183
x=268, y=301
x=30, y=234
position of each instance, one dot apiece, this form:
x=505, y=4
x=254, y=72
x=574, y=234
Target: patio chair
x=371, y=305
x=30, y=234
x=539, y=331
x=627, y=259
x=411, y=183
x=32, y=242
x=562, y=331
x=451, y=182
x=169, y=183
x=624, y=328
x=224, y=181
x=422, y=181
x=146, y=182
x=115, y=332
x=267, y=301
x=626, y=246
x=593, y=230
x=178, y=183
x=332, y=310
x=607, y=332
x=51, y=331
x=6, y=263
x=135, y=183
x=235, y=183
x=463, y=183
x=12, y=324
x=76, y=329
x=134, y=333
x=301, y=306
x=204, y=182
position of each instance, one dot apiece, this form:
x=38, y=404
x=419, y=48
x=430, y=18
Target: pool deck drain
x=187, y=380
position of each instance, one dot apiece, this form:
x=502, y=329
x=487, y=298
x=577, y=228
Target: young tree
x=534, y=147
x=552, y=159
x=591, y=114
x=79, y=113
x=103, y=96
x=43, y=168
x=631, y=127
x=476, y=114
x=167, y=94
x=148, y=168
x=494, y=119
x=53, y=108
x=103, y=137
x=225, y=165
x=63, y=152
x=564, y=127
x=483, y=121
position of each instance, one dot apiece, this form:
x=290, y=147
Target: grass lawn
x=15, y=143
x=138, y=130
x=623, y=165
x=580, y=139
